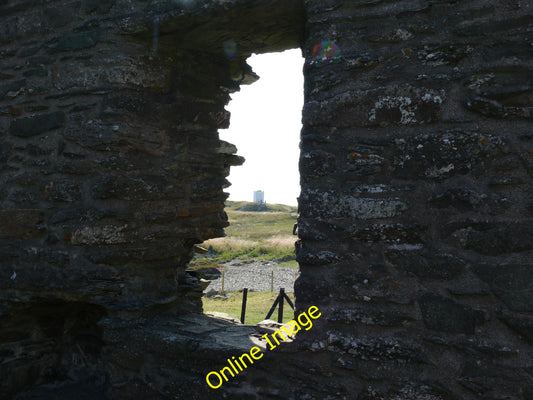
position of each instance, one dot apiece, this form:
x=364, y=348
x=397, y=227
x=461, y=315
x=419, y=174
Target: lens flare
x=326, y=52
x=230, y=49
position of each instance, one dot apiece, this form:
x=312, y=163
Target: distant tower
x=259, y=196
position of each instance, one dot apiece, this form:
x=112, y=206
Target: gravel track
x=255, y=276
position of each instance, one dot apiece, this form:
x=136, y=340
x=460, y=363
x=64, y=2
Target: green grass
x=288, y=264
x=253, y=236
x=236, y=205
x=257, y=307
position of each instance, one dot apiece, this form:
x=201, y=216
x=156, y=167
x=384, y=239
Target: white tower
x=259, y=196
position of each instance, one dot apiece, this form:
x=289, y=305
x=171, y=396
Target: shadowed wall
x=416, y=208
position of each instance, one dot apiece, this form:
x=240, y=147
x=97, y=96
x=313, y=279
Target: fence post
x=281, y=300
x=272, y=280
x=273, y=307
x=243, y=310
x=223, y=273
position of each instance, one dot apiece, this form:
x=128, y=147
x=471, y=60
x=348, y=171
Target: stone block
x=486, y=378
x=35, y=72
x=401, y=105
x=500, y=94
x=94, y=77
x=62, y=191
x=503, y=181
x=143, y=188
x=461, y=198
x=100, y=6
x=100, y=235
x=5, y=151
x=57, y=17
x=371, y=316
x=307, y=256
x=19, y=223
x=338, y=205
x=415, y=172
x=312, y=289
x=317, y=163
x=521, y=323
x=41, y=60
x=390, y=233
x=37, y=124
x=494, y=239
x=483, y=349
x=73, y=41
x=364, y=155
x=376, y=348
x=411, y=390
x=141, y=254
x=512, y=283
x=446, y=54
x=11, y=87
x=445, y=315
x=425, y=264
x=9, y=30
x=440, y=155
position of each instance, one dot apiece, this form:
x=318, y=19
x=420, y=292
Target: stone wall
x=416, y=211
x=416, y=219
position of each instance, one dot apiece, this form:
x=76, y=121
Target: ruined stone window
x=265, y=127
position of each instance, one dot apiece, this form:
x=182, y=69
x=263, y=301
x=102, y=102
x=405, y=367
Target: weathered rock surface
x=415, y=215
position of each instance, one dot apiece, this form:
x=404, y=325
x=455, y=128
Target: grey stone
x=445, y=315
x=376, y=349
x=317, y=163
x=414, y=217
x=35, y=72
x=425, y=264
x=457, y=197
x=29, y=51
x=390, y=233
x=136, y=188
x=441, y=155
x=20, y=223
x=11, y=87
x=498, y=238
x=5, y=150
x=41, y=60
x=62, y=191
x=371, y=316
x=346, y=206
x=35, y=125
x=520, y=323
x=61, y=16
x=512, y=283
x=100, y=6
x=73, y=41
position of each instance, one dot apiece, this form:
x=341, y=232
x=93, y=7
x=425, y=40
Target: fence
x=271, y=280
x=280, y=299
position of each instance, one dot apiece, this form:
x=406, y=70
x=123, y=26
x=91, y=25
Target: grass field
x=258, y=305
x=254, y=236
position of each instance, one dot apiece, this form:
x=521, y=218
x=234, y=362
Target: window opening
x=258, y=251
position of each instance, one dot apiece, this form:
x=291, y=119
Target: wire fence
x=254, y=278
x=280, y=300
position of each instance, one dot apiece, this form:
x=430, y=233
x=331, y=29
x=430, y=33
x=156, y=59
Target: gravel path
x=255, y=276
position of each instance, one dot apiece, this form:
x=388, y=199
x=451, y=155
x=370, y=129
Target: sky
x=265, y=126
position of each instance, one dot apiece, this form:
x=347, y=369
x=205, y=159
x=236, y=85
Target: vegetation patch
x=257, y=307
x=253, y=236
